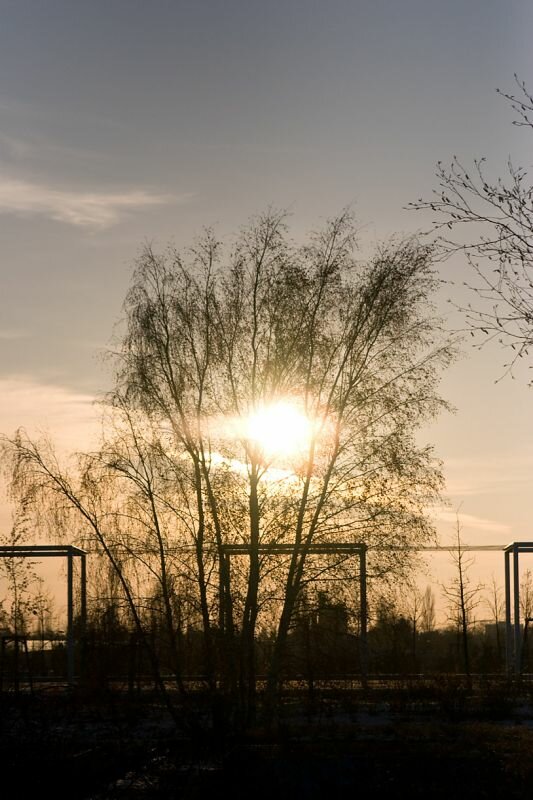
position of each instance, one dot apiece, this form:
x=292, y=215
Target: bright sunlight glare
x=280, y=430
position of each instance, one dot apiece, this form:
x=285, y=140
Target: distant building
x=494, y=631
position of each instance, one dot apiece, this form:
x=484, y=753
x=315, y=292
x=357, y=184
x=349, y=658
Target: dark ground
x=436, y=743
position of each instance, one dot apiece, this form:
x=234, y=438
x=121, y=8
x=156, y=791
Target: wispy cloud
x=22, y=149
x=471, y=521
x=469, y=476
x=15, y=147
x=12, y=334
x=84, y=209
x=70, y=417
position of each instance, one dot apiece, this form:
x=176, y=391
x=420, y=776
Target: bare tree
x=526, y=612
x=491, y=222
x=82, y=500
x=216, y=342
x=496, y=605
x=419, y=609
x=526, y=595
x=410, y=606
x=427, y=611
x=21, y=578
x=463, y=598
x=42, y=610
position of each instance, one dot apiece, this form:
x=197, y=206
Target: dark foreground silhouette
x=439, y=743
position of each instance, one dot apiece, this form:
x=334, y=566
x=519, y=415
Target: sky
x=127, y=122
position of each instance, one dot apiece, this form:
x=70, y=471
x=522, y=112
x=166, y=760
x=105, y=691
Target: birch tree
x=266, y=394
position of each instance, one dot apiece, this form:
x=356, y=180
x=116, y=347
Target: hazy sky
x=122, y=122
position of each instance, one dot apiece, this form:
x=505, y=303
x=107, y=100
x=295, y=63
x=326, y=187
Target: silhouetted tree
x=390, y=636
x=497, y=608
x=21, y=578
x=463, y=598
x=526, y=613
x=491, y=222
x=411, y=609
x=211, y=339
x=418, y=608
x=427, y=611
x=526, y=594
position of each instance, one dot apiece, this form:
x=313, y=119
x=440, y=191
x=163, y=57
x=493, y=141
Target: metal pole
x=221, y=593
x=508, y=628
x=82, y=635
x=83, y=593
x=70, y=620
x=363, y=640
x=516, y=613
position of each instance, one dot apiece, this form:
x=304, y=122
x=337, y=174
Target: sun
x=280, y=430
